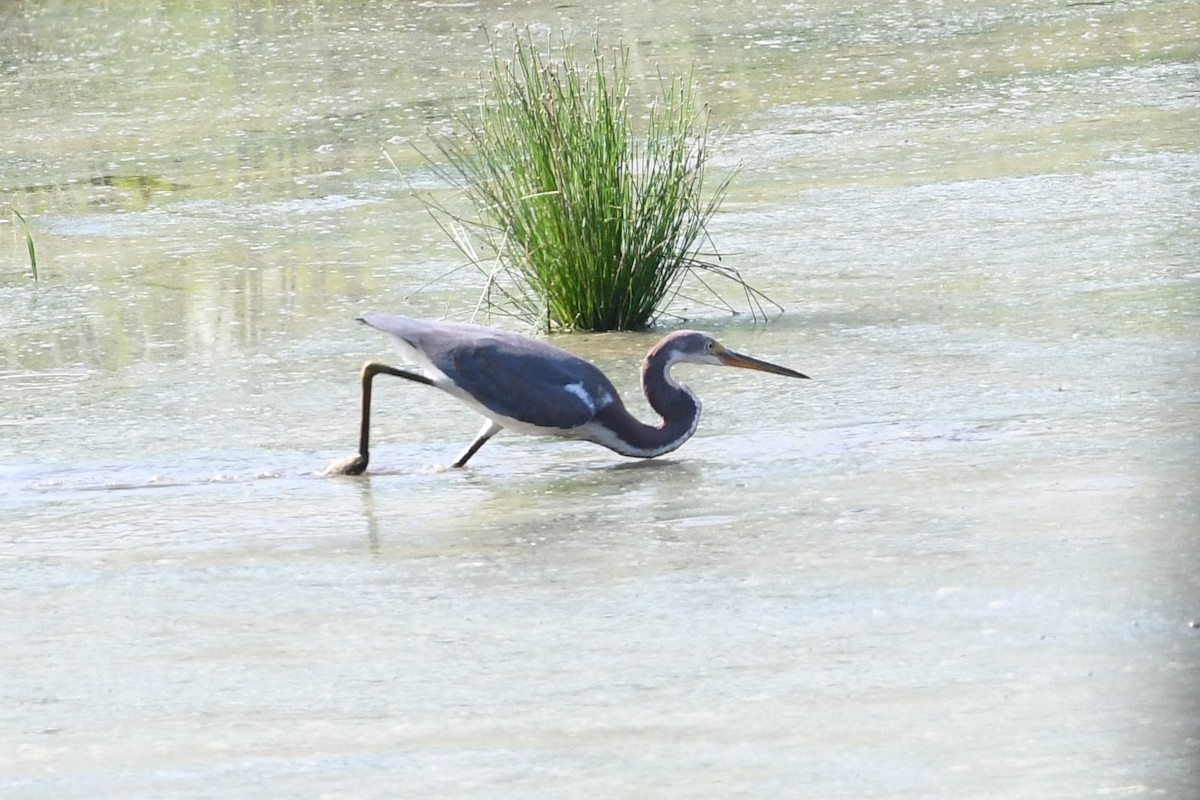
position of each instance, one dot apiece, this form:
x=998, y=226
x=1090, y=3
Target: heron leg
x=357, y=464
x=488, y=430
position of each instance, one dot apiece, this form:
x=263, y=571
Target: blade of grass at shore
x=29, y=245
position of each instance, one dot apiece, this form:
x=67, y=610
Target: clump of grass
x=586, y=224
x=29, y=246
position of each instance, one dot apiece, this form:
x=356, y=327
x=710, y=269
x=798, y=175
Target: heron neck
x=678, y=407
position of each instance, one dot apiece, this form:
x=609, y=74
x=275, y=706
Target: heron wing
x=529, y=381
x=509, y=374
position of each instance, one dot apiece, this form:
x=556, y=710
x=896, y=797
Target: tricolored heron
x=532, y=387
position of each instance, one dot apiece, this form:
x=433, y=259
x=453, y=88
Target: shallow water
x=960, y=562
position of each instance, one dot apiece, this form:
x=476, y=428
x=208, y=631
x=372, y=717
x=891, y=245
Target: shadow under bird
x=528, y=386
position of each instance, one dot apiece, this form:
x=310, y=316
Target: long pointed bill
x=731, y=359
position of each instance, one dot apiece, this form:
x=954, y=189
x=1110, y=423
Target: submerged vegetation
x=584, y=223
x=29, y=246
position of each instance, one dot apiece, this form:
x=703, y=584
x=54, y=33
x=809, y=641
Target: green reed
x=595, y=215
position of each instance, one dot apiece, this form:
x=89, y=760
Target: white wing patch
x=593, y=403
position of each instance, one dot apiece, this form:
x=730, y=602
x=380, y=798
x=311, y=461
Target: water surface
x=960, y=562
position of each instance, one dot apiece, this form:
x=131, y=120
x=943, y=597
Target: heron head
x=700, y=348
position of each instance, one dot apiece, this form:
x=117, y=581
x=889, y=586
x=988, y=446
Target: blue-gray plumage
x=530, y=386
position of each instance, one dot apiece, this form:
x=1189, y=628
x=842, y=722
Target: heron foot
x=352, y=465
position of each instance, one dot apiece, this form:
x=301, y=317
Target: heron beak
x=731, y=359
